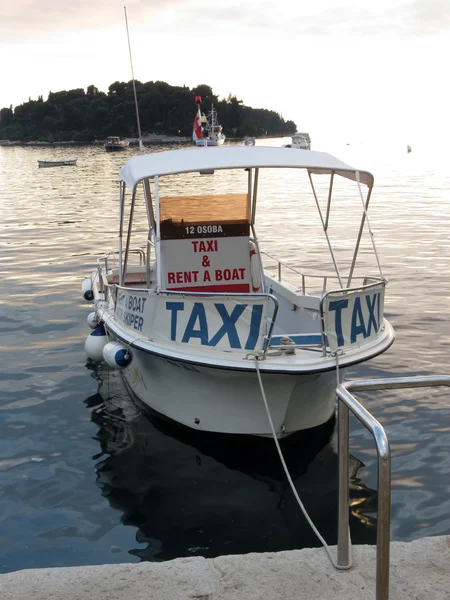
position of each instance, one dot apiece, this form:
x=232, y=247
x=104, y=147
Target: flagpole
x=141, y=146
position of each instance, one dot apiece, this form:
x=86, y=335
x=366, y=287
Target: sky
x=349, y=68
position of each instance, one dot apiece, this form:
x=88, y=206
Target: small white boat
x=115, y=144
x=301, y=141
x=196, y=313
x=71, y=162
x=207, y=131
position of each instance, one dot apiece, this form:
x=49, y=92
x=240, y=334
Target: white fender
x=92, y=320
x=86, y=289
x=255, y=271
x=95, y=342
x=116, y=355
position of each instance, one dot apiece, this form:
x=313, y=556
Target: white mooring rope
x=288, y=475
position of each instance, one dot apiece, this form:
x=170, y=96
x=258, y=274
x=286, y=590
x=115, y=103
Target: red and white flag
x=197, y=133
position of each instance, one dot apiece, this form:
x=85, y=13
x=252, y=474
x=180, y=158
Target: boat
x=71, y=162
x=301, y=141
x=114, y=144
x=213, y=333
x=207, y=131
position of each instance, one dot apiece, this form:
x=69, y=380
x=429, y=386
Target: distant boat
x=207, y=131
x=408, y=148
x=114, y=144
x=301, y=141
x=71, y=162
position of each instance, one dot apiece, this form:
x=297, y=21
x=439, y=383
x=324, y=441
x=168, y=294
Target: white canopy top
x=234, y=157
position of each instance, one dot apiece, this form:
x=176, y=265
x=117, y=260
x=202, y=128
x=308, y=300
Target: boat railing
x=346, y=295
x=322, y=281
x=270, y=318
x=104, y=267
x=113, y=255
x=346, y=402
x=145, y=258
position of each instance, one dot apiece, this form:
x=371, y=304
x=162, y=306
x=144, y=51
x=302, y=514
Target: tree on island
x=84, y=116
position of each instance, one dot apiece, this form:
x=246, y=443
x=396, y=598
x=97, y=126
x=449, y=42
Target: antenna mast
x=141, y=146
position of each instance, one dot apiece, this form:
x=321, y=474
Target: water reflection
x=194, y=493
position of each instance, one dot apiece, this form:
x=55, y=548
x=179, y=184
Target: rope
x=289, y=478
x=128, y=346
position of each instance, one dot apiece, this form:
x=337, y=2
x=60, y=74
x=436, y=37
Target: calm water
x=86, y=477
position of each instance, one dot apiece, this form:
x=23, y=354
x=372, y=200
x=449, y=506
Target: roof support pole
x=358, y=240
x=365, y=206
x=127, y=247
x=324, y=226
x=249, y=190
x=252, y=225
x=158, y=233
x=151, y=229
x=330, y=191
x=255, y=193
x=148, y=204
x=121, y=209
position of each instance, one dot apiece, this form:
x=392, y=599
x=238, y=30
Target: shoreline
x=134, y=142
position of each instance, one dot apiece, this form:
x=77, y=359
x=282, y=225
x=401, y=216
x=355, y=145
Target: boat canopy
x=172, y=162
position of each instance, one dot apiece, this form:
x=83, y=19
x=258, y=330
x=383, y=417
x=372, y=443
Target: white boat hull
x=115, y=147
x=57, y=163
x=210, y=142
x=228, y=401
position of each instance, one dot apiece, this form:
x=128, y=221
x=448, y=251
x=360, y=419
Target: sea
x=88, y=476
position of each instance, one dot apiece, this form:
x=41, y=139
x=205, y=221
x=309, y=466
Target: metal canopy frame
x=153, y=212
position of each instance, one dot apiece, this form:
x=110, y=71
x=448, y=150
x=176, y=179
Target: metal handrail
x=343, y=291
x=347, y=401
x=271, y=319
x=104, y=259
x=325, y=278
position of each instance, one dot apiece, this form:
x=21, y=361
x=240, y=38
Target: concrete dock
x=420, y=570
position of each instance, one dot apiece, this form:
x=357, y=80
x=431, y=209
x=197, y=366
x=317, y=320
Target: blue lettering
x=338, y=306
x=372, y=318
x=379, y=308
x=358, y=325
x=174, y=307
x=255, y=325
x=228, y=326
x=198, y=312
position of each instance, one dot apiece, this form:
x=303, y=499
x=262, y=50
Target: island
x=165, y=111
